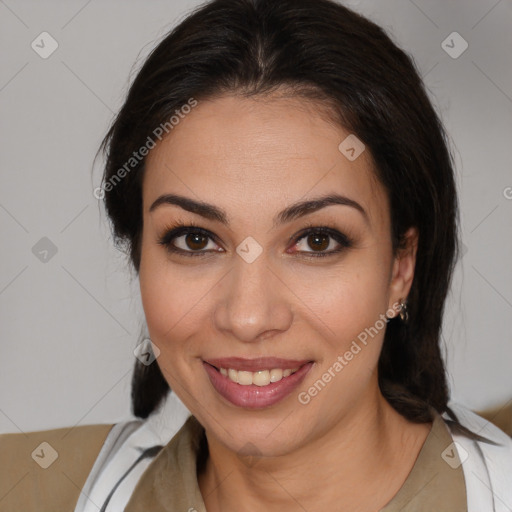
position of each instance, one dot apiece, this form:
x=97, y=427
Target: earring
x=404, y=314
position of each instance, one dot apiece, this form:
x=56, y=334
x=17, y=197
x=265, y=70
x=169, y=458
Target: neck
x=374, y=446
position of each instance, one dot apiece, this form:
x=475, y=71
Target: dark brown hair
x=323, y=51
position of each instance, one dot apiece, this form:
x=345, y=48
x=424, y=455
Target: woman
x=284, y=189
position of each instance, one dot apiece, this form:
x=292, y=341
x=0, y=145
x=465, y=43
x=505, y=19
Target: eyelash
x=179, y=229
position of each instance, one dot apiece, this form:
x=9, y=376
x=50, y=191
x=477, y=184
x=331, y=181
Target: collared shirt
x=51, y=470
x=435, y=483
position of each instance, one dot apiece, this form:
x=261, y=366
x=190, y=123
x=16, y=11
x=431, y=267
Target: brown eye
x=322, y=241
x=318, y=241
x=189, y=241
x=196, y=241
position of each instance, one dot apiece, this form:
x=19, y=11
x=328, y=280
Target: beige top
x=44, y=471
x=170, y=483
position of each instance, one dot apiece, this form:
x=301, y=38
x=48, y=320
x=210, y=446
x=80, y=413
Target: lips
x=252, y=396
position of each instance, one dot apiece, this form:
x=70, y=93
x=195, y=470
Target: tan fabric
x=434, y=483
x=170, y=482
x=26, y=486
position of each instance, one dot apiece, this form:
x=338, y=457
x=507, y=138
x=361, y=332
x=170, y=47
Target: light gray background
x=68, y=326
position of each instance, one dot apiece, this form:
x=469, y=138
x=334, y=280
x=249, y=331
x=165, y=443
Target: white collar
x=122, y=447
x=487, y=468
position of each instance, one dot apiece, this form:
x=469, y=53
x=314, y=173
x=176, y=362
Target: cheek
x=346, y=316
x=168, y=314
x=345, y=300
x=156, y=294
x=175, y=303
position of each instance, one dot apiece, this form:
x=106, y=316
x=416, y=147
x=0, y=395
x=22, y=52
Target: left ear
x=402, y=273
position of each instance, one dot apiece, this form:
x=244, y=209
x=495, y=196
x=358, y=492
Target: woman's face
x=254, y=292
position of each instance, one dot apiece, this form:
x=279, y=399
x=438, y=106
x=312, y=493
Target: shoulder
x=480, y=425
x=487, y=463
x=501, y=416
x=45, y=470
x=129, y=450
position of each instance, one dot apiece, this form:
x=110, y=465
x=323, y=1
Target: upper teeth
x=260, y=378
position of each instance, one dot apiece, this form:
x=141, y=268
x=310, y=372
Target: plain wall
x=68, y=326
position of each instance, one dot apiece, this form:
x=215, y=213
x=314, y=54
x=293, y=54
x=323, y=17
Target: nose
x=253, y=302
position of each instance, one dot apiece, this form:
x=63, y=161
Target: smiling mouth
x=256, y=383
x=258, y=378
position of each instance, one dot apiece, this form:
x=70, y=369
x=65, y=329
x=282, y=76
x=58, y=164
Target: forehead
x=238, y=152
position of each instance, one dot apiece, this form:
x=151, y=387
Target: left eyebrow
x=300, y=209
x=292, y=212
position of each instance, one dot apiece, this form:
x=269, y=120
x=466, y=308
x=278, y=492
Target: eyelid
x=334, y=233
x=179, y=229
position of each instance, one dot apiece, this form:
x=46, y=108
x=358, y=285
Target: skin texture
x=253, y=158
